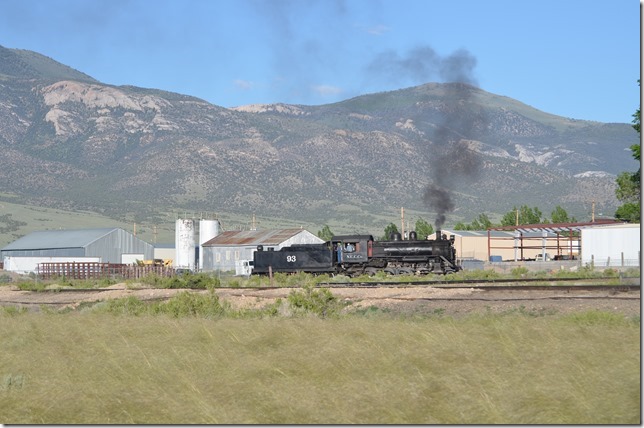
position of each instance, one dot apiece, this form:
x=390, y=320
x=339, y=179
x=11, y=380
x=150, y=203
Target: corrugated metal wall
x=225, y=257
x=110, y=247
x=611, y=245
x=46, y=252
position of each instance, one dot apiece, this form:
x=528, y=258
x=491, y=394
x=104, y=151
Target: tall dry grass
x=93, y=368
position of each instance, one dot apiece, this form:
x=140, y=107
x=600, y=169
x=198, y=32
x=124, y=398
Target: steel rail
x=477, y=281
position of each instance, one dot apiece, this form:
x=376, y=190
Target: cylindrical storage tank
x=184, y=230
x=208, y=229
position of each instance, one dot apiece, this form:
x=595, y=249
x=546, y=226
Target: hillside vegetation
x=139, y=155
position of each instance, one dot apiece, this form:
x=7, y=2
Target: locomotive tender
x=354, y=255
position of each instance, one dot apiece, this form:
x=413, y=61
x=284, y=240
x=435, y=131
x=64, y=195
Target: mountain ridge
x=131, y=152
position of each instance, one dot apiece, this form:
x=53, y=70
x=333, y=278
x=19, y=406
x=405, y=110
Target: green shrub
x=13, y=310
x=611, y=273
x=320, y=302
x=200, y=281
x=31, y=285
x=184, y=304
x=473, y=274
x=519, y=272
x=124, y=306
x=190, y=304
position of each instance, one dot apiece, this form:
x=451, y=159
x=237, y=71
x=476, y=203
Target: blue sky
x=574, y=58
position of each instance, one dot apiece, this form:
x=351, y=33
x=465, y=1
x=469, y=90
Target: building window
x=227, y=255
x=218, y=257
x=236, y=255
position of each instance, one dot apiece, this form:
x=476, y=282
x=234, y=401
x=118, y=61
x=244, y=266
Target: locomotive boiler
x=354, y=255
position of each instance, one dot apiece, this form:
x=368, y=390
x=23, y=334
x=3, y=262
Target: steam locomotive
x=354, y=255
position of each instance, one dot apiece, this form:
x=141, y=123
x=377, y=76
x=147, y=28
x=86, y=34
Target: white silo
x=184, y=244
x=208, y=229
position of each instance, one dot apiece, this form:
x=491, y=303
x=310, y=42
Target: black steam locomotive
x=354, y=255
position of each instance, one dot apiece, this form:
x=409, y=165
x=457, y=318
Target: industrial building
x=611, y=246
x=106, y=245
x=605, y=242
x=498, y=245
x=233, y=250
x=188, y=254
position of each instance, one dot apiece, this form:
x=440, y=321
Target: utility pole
x=592, y=213
x=402, y=222
x=516, y=217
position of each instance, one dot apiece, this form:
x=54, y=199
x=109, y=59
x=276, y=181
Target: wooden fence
x=97, y=270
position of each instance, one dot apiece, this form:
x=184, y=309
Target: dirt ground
x=446, y=301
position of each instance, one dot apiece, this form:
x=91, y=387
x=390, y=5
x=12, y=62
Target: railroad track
x=524, y=284
x=421, y=291
x=483, y=282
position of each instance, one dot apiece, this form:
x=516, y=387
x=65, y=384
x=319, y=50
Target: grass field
x=97, y=367
x=19, y=220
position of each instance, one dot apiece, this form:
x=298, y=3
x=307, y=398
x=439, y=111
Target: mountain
x=443, y=151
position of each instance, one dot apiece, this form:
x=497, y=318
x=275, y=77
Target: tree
x=526, y=216
x=482, y=222
x=423, y=229
x=460, y=226
x=628, y=184
x=559, y=215
x=629, y=212
x=636, y=121
x=325, y=233
x=628, y=189
x=391, y=228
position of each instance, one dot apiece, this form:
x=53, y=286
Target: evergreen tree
x=482, y=222
x=389, y=229
x=559, y=215
x=423, y=229
x=527, y=215
x=628, y=184
x=326, y=234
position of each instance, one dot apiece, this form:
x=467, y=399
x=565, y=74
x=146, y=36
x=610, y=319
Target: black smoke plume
x=453, y=158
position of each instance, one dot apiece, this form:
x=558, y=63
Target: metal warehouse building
x=107, y=245
x=611, y=246
x=232, y=250
x=475, y=244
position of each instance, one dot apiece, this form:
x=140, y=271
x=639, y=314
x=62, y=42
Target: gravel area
x=422, y=300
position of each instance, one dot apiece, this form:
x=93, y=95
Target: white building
x=615, y=245
x=107, y=245
x=229, y=250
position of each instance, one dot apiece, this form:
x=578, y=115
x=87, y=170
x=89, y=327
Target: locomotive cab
x=352, y=249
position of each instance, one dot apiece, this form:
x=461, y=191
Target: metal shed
x=230, y=250
x=109, y=245
x=529, y=237
x=475, y=244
